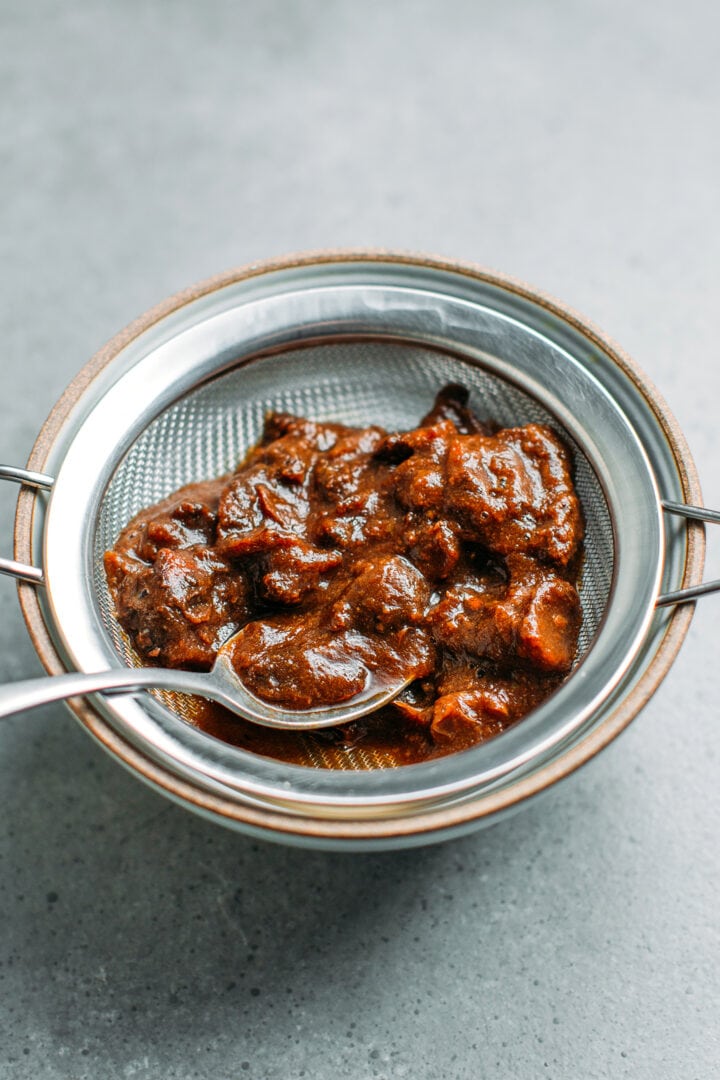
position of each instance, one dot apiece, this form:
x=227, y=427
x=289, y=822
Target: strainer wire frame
x=672, y=632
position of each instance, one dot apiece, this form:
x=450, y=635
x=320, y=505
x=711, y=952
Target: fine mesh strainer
x=358, y=339
x=211, y=429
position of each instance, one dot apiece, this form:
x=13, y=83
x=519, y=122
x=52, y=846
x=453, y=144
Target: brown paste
x=448, y=554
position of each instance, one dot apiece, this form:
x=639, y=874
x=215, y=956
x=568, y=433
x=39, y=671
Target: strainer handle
x=693, y=513
x=15, y=569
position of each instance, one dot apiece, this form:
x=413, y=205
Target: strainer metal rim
x=234, y=336
x=37, y=460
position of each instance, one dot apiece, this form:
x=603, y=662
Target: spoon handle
x=31, y=693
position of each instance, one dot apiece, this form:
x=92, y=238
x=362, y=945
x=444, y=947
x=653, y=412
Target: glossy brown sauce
x=447, y=554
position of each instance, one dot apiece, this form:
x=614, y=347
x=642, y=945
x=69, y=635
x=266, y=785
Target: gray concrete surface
x=145, y=146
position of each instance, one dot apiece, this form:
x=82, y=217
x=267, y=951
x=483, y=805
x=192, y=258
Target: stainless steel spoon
x=220, y=684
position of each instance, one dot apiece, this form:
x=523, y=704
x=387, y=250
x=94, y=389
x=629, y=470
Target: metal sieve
x=360, y=339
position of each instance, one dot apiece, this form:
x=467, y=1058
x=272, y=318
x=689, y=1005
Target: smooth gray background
x=575, y=145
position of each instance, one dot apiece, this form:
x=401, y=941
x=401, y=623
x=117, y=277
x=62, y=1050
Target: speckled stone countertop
x=145, y=147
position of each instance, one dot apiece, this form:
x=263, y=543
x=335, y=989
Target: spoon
x=220, y=684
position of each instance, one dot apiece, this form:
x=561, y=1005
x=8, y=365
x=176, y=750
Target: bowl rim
x=439, y=820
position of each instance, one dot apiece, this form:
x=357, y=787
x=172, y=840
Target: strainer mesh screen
x=211, y=429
